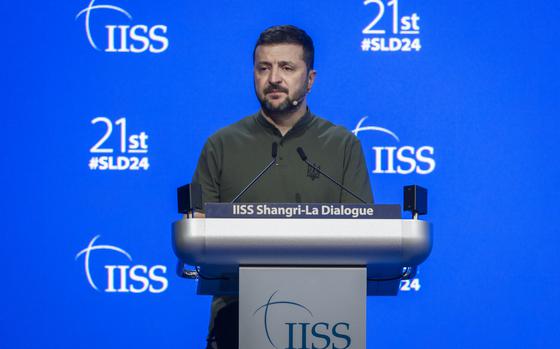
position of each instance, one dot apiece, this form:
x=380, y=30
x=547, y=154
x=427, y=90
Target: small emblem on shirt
x=313, y=173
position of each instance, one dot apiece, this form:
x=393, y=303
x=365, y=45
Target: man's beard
x=287, y=106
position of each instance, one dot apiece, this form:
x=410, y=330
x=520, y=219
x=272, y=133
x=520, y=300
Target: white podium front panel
x=293, y=308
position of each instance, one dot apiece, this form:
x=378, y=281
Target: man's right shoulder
x=239, y=129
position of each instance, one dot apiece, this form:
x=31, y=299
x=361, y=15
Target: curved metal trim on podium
x=374, y=243
x=329, y=263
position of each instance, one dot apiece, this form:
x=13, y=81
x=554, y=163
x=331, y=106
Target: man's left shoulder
x=327, y=128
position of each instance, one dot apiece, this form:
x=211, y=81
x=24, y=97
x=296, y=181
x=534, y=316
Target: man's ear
x=311, y=79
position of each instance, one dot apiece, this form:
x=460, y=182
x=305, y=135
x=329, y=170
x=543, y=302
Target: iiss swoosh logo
x=266, y=308
x=401, y=159
x=124, y=278
x=123, y=38
x=359, y=128
x=87, y=252
x=88, y=10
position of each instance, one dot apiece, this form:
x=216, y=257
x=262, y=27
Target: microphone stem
x=335, y=182
x=254, y=180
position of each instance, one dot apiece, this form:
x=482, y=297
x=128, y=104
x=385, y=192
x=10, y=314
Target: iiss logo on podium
x=124, y=36
x=392, y=29
x=305, y=331
x=398, y=159
x=123, y=278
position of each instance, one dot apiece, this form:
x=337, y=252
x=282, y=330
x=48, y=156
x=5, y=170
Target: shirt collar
x=300, y=126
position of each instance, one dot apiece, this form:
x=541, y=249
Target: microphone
x=304, y=159
x=297, y=101
x=274, y=156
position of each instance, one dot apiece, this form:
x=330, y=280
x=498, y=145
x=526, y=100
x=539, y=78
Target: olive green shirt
x=234, y=155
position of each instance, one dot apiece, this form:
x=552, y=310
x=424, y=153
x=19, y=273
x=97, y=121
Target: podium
x=302, y=282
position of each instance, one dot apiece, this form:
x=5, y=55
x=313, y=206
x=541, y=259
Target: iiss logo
x=124, y=278
x=299, y=334
x=402, y=160
x=135, y=38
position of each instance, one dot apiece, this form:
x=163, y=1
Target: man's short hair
x=288, y=34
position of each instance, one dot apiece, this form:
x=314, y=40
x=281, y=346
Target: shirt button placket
x=280, y=151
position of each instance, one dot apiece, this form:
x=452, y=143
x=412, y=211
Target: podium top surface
x=343, y=242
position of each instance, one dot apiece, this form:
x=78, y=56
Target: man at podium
x=283, y=73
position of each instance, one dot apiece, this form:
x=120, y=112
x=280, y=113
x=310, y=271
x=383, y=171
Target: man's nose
x=275, y=77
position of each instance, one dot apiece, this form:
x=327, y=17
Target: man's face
x=281, y=77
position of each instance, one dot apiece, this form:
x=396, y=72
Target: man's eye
x=288, y=68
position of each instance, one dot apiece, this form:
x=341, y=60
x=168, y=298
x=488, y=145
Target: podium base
x=302, y=307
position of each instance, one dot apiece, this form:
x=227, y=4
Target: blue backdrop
x=106, y=106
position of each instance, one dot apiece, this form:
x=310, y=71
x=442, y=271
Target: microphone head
x=297, y=101
x=301, y=153
x=274, y=150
